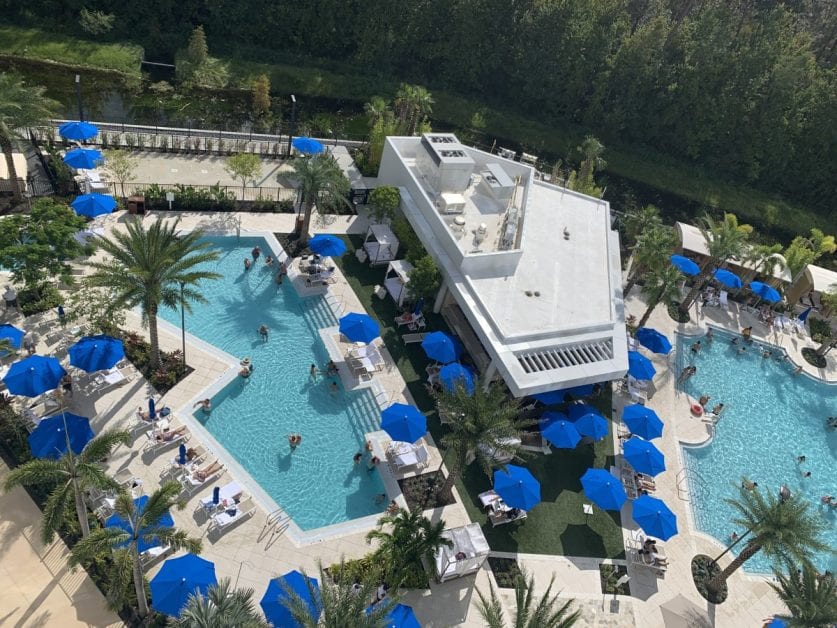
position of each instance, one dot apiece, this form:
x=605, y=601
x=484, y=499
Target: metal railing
x=234, y=192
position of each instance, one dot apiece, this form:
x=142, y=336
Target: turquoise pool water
x=318, y=484
x=771, y=418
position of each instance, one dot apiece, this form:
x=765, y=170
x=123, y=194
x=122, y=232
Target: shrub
x=820, y=329
x=36, y=299
x=189, y=198
x=286, y=206
x=384, y=201
x=370, y=568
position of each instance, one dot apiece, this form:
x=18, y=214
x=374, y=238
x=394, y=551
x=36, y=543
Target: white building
x=532, y=275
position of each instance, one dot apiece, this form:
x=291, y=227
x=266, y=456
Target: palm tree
x=548, y=613
x=810, y=598
x=781, y=528
x=725, y=239
x=144, y=527
x=411, y=538
x=376, y=109
x=153, y=267
x=222, y=606
x=486, y=417
x=338, y=604
x=404, y=103
x=652, y=250
x=21, y=107
x=72, y=474
x=660, y=287
x=637, y=220
x=765, y=259
x=320, y=178
x=413, y=103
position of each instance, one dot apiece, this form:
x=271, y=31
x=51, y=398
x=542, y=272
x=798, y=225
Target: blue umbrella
x=96, y=353
x=177, y=580
x=558, y=396
x=603, y=489
x=181, y=454
x=49, y=440
x=308, y=146
x=418, y=306
x=643, y=456
x=685, y=265
x=34, y=375
x=777, y=622
x=327, y=245
x=165, y=521
x=642, y=421
x=654, y=517
x=92, y=205
x=152, y=409
x=730, y=280
x=768, y=293
x=78, y=131
x=403, y=422
x=12, y=334
x=441, y=347
x=804, y=316
x=653, y=340
x=639, y=366
x=560, y=431
x=453, y=374
x=83, y=158
x=271, y=603
x=588, y=421
x=517, y=486
x=359, y=327
x=401, y=616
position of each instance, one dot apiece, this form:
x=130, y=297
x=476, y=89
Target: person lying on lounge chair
x=170, y=435
x=201, y=474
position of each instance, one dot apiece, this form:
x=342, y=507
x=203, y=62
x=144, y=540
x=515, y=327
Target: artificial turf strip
x=558, y=524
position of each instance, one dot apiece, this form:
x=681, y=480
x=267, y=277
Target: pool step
x=317, y=313
x=363, y=411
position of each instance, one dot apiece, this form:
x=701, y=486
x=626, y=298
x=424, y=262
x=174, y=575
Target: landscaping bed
x=676, y=315
x=506, y=571
x=609, y=575
x=703, y=570
x=420, y=491
x=370, y=568
x=813, y=358
x=165, y=377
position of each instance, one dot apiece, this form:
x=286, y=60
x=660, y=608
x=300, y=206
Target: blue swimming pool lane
x=318, y=484
x=771, y=418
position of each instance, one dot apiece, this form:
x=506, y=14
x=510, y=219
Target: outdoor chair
x=228, y=495
x=173, y=467
x=153, y=555
x=724, y=300
x=192, y=484
x=154, y=446
x=499, y=513
x=223, y=521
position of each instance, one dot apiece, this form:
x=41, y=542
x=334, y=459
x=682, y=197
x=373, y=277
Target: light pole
x=183, y=321
x=78, y=98
x=292, y=128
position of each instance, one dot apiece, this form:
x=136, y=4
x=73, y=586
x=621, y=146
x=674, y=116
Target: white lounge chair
x=154, y=446
x=153, y=555
x=230, y=491
x=223, y=521
x=723, y=299
x=192, y=484
x=405, y=455
x=175, y=467
x=498, y=511
x=413, y=338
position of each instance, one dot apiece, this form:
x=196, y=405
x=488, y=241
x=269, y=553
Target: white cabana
x=396, y=280
x=381, y=245
x=465, y=557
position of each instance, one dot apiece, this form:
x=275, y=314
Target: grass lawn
x=558, y=524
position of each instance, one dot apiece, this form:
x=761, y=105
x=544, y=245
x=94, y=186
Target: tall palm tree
x=320, y=178
x=72, y=474
x=404, y=103
x=486, y=417
x=411, y=537
x=144, y=527
x=764, y=259
x=421, y=106
x=810, y=598
x=548, y=613
x=652, y=250
x=637, y=220
x=151, y=267
x=376, y=109
x=21, y=107
x=339, y=604
x=725, y=239
x=660, y=287
x=781, y=528
x=222, y=606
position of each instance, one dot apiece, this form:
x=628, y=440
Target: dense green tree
x=810, y=597
x=425, y=278
x=660, y=287
x=260, y=95
x=244, y=167
x=384, y=201
x=221, y=607
x=548, y=612
x=803, y=251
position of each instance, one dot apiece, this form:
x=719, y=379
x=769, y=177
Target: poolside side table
x=588, y=510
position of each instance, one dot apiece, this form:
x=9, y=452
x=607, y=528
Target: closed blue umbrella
x=685, y=265
x=83, y=158
x=588, y=421
x=165, y=521
x=34, y=376
x=453, y=374
x=401, y=616
x=603, y=489
x=79, y=131
x=96, y=353
x=12, y=334
x=177, y=580
x=152, y=409
x=418, y=306
x=643, y=456
x=553, y=397
x=359, y=327
x=518, y=487
x=49, y=439
x=642, y=421
x=403, y=422
x=560, y=431
x=804, y=316
x=639, y=366
x=272, y=606
x=730, y=280
x=181, y=454
x=654, y=517
x=308, y=146
x=765, y=292
x=92, y=205
x=653, y=340
x=327, y=245
x=441, y=347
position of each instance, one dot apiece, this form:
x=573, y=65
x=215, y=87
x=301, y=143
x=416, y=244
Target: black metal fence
x=252, y=194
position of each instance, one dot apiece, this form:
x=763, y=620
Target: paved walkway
x=36, y=586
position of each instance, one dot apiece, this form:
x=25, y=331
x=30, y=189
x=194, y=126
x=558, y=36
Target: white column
x=490, y=371
x=440, y=296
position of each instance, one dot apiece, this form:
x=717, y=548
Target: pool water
x=318, y=484
x=771, y=418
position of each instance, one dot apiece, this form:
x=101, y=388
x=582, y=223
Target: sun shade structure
x=308, y=146
x=685, y=265
x=441, y=347
x=653, y=340
x=79, y=131
x=401, y=616
x=327, y=245
x=359, y=327
x=96, y=353
x=642, y=421
x=177, y=580
x=165, y=521
x=518, y=487
x=92, y=205
x=403, y=423
x=468, y=552
x=272, y=606
x=643, y=456
x=49, y=440
x=654, y=517
x=34, y=376
x=730, y=280
x=765, y=292
x=560, y=431
x=603, y=489
x=83, y=158
x=639, y=366
x=454, y=374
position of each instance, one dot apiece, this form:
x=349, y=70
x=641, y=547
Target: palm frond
x=490, y=608
x=55, y=510
x=120, y=581
x=102, y=446
x=35, y=472
x=97, y=543
x=174, y=538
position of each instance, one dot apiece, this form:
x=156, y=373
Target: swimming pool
x=318, y=484
x=771, y=417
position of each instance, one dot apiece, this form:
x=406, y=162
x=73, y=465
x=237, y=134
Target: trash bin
x=136, y=205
